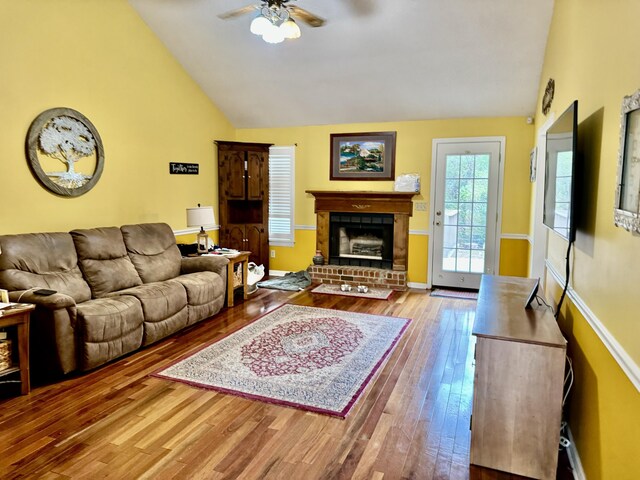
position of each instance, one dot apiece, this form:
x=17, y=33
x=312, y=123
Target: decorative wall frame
x=547, y=97
x=533, y=161
x=67, y=136
x=363, y=156
x=626, y=212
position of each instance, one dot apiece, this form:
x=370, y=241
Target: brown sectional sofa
x=117, y=289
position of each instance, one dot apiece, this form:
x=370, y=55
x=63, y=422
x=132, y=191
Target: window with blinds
x=281, y=195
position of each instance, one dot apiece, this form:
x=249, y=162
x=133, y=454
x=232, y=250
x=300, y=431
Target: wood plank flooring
x=412, y=421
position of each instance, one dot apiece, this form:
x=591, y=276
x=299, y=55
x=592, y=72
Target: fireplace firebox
x=361, y=239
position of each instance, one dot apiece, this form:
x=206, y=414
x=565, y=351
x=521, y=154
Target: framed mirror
x=627, y=206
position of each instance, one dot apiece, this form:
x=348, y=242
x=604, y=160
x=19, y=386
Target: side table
x=241, y=258
x=18, y=316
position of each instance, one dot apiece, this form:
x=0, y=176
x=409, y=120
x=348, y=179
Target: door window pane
x=477, y=261
x=481, y=190
x=466, y=190
x=453, y=166
x=467, y=166
x=479, y=214
x=463, y=261
x=465, y=213
x=452, y=190
x=450, y=236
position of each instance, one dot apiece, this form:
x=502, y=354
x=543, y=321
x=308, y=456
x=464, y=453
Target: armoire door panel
x=235, y=178
x=255, y=175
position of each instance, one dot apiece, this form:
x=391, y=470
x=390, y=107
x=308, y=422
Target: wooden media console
x=518, y=384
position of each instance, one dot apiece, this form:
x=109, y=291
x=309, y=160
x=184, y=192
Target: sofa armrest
x=53, y=332
x=51, y=302
x=211, y=263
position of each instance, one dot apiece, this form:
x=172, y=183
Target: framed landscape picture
x=363, y=156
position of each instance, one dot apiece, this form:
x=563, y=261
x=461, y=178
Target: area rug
x=374, y=293
x=311, y=358
x=445, y=292
x=292, y=281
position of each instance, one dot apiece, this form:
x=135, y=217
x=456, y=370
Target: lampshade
x=273, y=35
x=290, y=29
x=200, y=216
x=259, y=25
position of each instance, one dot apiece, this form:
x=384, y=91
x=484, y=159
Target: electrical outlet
x=421, y=206
x=273, y=254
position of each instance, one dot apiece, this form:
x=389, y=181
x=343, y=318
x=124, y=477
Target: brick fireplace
x=363, y=236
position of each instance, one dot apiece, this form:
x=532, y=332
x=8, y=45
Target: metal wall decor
x=547, y=98
x=626, y=213
x=64, y=135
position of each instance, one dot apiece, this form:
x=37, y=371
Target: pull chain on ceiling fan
x=275, y=20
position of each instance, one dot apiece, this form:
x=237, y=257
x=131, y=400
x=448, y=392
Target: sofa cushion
x=164, y=307
x=27, y=262
x=205, y=294
x=109, y=328
x=152, y=249
x=104, y=260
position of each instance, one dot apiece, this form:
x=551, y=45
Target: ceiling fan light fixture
x=290, y=29
x=273, y=34
x=260, y=25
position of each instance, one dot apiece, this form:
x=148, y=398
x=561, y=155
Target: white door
x=465, y=212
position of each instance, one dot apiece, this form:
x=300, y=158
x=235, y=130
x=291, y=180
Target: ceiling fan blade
x=237, y=12
x=307, y=17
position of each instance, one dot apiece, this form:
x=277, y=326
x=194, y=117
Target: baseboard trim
x=574, y=458
x=278, y=273
x=627, y=364
x=418, y=285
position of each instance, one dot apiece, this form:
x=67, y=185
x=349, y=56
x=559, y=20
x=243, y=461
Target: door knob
x=438, y=224
x=438, y=213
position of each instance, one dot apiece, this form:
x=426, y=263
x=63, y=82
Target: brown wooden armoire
x=243, y=193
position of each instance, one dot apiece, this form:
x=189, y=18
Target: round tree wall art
x=65, y=151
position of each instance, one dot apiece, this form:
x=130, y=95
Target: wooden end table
x=243, y=259
x=18, y=316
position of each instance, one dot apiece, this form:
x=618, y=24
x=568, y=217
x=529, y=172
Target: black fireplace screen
x=361, y=239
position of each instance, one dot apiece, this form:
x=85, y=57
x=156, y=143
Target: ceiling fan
x=275, y=21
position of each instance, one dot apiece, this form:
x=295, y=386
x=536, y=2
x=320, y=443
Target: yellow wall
x=514, y=257
x=413, y=155
x=99, y=58
x=592, y=55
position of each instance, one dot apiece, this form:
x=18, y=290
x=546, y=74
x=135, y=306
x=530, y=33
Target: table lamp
x=198, y=217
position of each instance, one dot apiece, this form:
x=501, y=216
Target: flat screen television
x=560, y=174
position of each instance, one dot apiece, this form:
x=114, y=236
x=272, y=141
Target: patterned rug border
x=352, y=293
x=274, y=401
x=458, y=294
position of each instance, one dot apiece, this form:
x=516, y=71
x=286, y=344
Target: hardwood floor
x=412, y=421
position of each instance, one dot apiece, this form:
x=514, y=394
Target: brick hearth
x=371, y=277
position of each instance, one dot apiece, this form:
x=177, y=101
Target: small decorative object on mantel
x=177, y=168
x=363, y=156
x=407, y=182
x=627, y=206
x=318, y=258
x=547, y=98
x=65, y=135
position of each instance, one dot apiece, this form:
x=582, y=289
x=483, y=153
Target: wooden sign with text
x=176, y=168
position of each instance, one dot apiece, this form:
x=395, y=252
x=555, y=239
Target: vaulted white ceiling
x=374, y=60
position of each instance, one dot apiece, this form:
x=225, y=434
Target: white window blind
x=281, y=195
